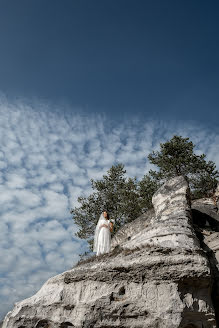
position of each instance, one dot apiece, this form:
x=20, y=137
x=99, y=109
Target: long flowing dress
x=102, y=240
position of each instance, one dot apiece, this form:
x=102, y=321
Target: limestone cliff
x=162, y=271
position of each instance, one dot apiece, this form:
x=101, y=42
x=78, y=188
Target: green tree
x=115, y=193
x=146, y=187
x=176, y=157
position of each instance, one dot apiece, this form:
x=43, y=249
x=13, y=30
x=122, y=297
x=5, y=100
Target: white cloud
x=56, y=187
x=47, y=160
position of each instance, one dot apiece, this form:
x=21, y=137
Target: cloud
x=47, y=159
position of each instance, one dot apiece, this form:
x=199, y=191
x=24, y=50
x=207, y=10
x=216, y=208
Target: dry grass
x=93, y=258
x=117, y=250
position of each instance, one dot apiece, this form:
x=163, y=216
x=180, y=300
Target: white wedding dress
x=102, y=236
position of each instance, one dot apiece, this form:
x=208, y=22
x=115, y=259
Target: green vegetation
x=115, y=193
x=176, y=157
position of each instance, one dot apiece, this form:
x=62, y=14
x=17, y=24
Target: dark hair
x=104, y=210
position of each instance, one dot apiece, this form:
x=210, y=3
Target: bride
x=102, y=236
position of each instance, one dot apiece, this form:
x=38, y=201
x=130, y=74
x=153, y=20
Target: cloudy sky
x=85, y=85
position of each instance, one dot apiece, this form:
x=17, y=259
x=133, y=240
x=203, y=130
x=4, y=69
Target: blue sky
x=157, y=58
x=85, y=85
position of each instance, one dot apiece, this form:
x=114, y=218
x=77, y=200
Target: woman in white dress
x=102, y=236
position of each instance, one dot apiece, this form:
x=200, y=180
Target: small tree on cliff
x=114, y=192
x=176, y=157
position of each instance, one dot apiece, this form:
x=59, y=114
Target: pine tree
x=114, y=193
x=146, y=187
x=176, y=157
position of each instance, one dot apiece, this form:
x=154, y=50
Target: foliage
x=176, y=157
x=116, y=194
x=146, y=187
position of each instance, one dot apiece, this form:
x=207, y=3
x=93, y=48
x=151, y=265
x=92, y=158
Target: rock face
x=205, y=214
x=157, y=275
x=206, y=218
x=168, y=225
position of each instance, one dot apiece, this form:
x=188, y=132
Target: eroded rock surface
x=206, y=222
x=156, y=275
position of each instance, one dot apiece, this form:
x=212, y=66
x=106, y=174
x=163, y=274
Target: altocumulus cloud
x=47, y=159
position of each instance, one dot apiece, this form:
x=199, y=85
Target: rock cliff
x=162, y=271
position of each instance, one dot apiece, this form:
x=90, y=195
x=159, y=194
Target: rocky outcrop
x=206, y=223
x=156, y=275
x=168, y=225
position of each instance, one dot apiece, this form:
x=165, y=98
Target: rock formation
x=161, y=272
x=206, y=223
